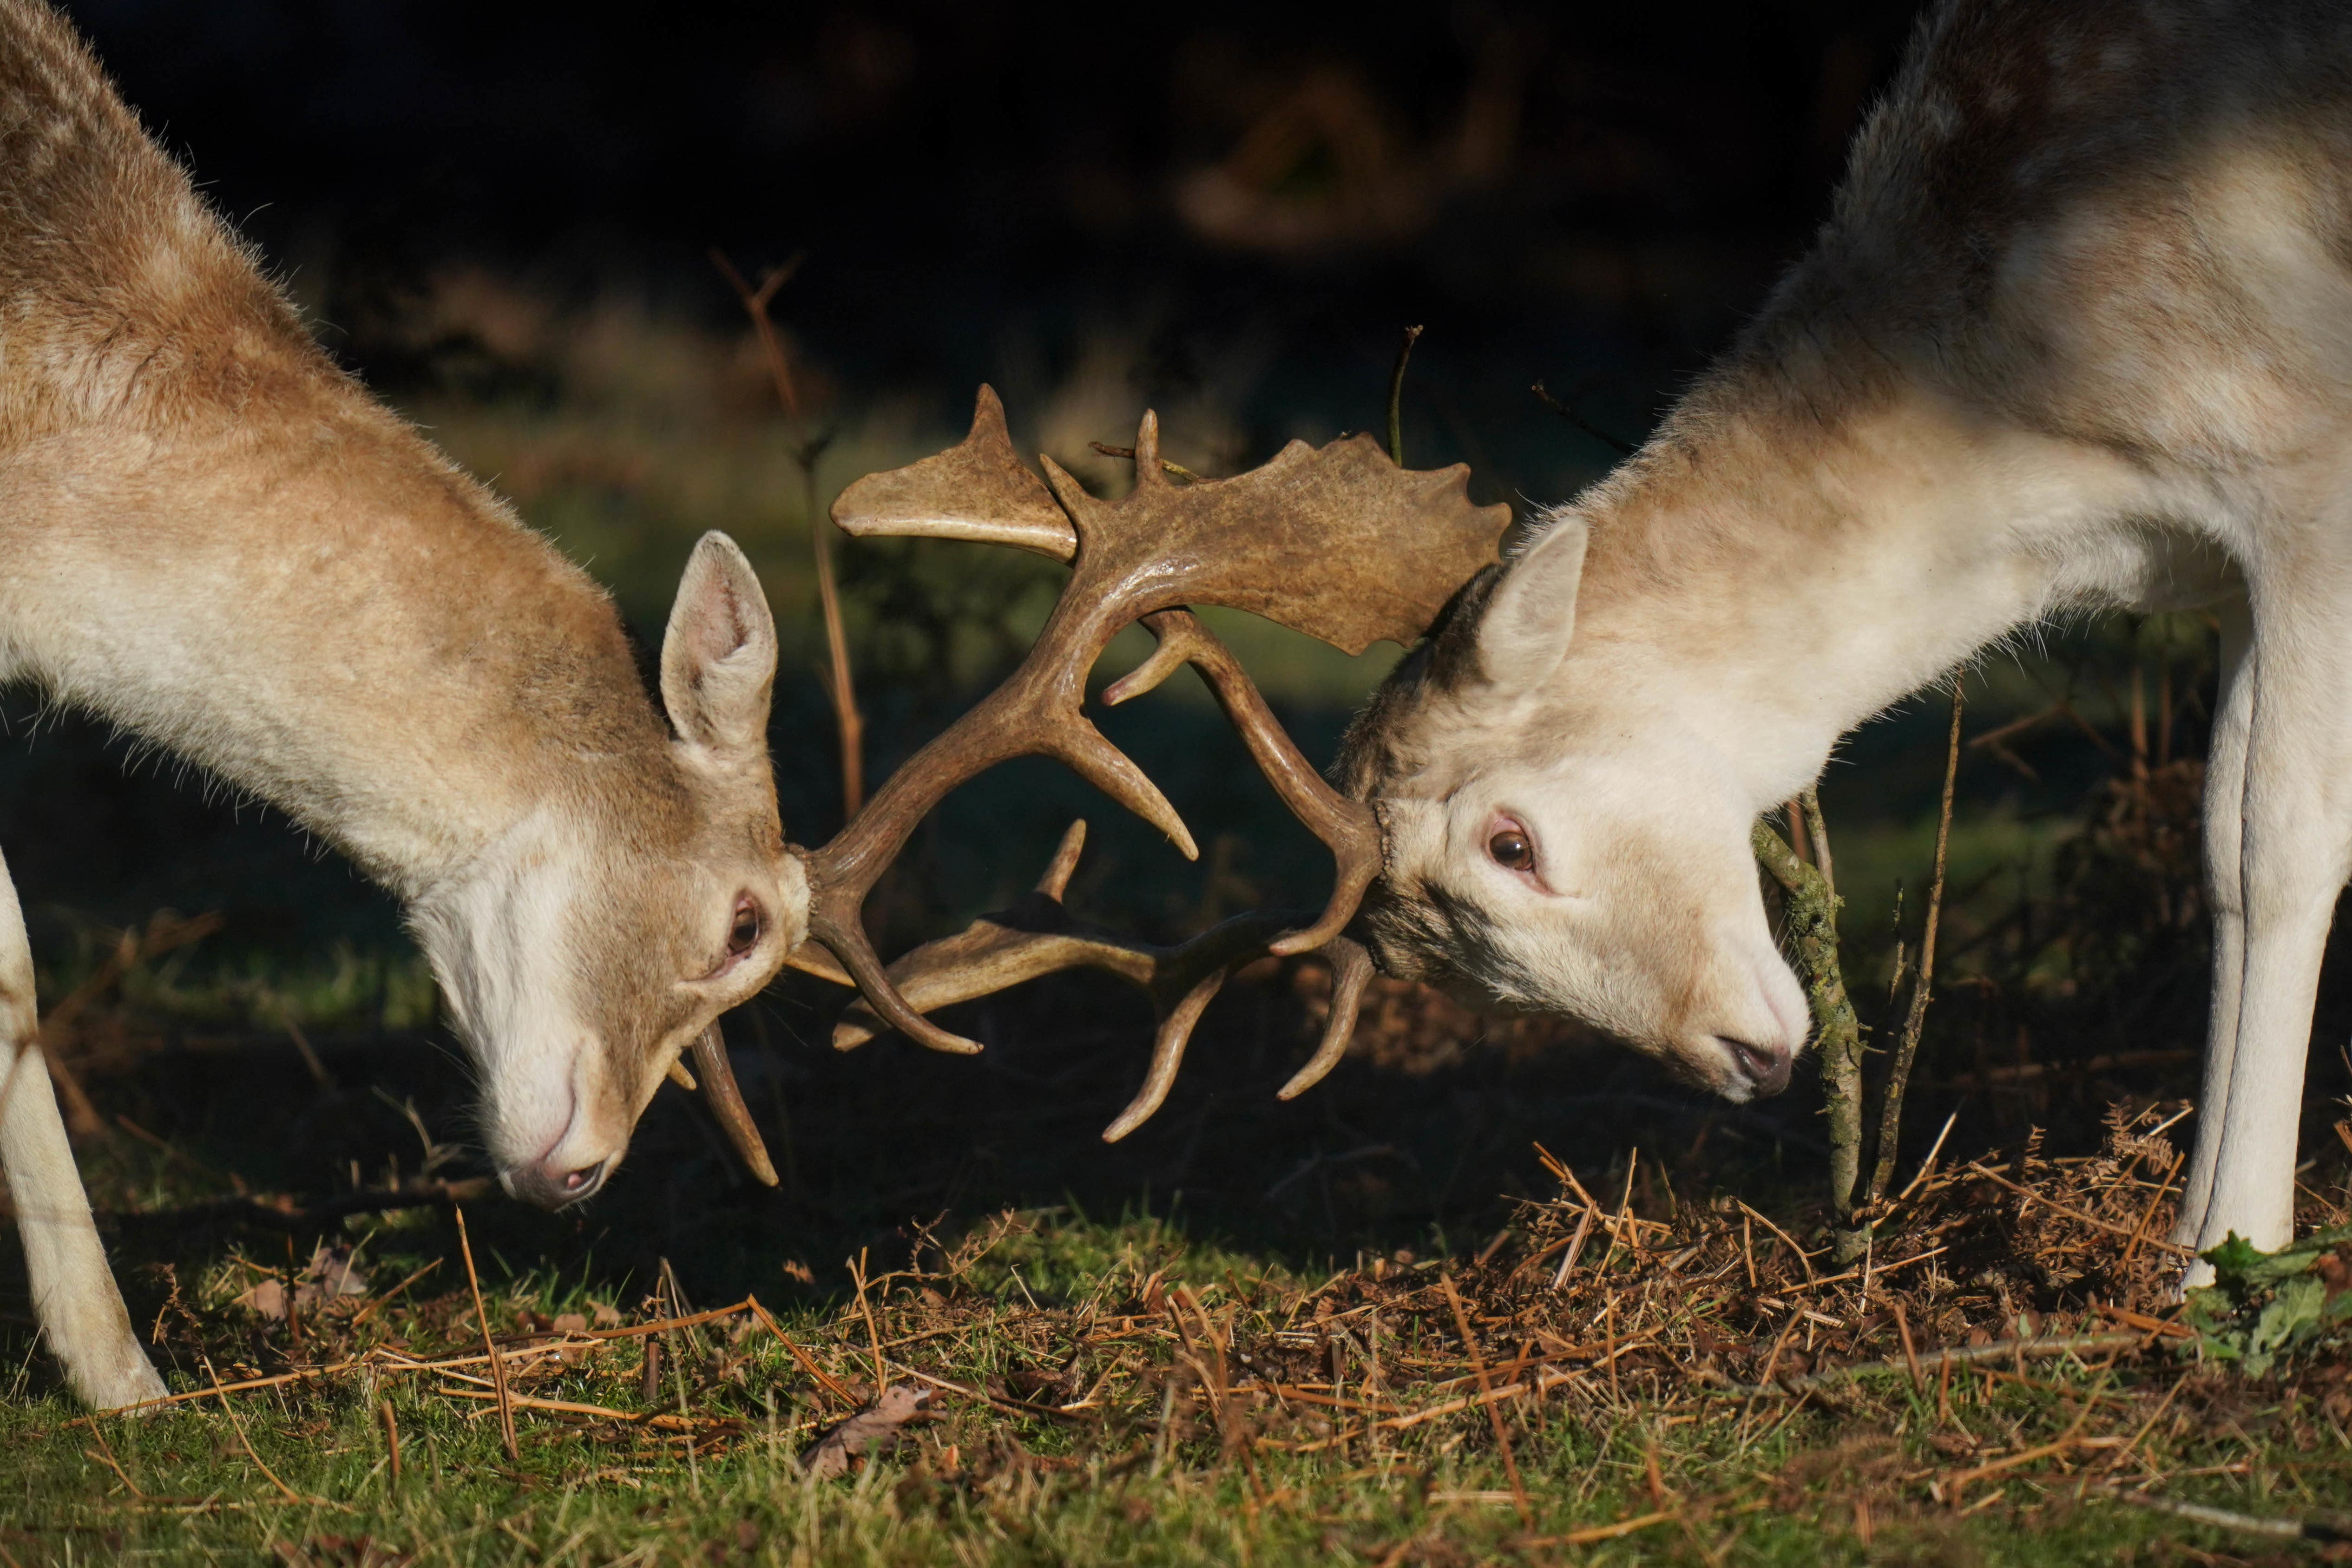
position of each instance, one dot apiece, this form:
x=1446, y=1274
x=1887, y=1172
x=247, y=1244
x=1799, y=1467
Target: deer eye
x=1510, y=849
x=744, y=933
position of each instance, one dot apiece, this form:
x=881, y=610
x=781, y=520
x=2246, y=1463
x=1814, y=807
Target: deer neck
x=1771, y=577
x=302, y=597
x=217, y=541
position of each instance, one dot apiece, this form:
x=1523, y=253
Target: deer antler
x=1038, y=936
x=1335, y=541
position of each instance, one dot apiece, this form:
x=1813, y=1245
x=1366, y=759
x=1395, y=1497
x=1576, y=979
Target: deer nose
x=1766, y=1067
x=545, y=1184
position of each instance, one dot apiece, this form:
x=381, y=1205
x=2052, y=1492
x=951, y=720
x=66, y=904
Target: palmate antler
x=1335, y=541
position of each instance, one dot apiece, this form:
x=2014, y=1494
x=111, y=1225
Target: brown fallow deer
x=220, y=543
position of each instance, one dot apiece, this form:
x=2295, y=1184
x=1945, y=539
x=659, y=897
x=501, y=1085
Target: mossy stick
x=1811, y=907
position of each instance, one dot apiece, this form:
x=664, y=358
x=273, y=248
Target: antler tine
x=1065, y=862
x=726, y=1099
x=1352, y=970
x=1148, y=472
x=849, y=942
x=1348, y=827
x=1168, y=1044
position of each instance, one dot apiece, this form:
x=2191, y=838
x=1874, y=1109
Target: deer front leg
x=2225, y=786
x=2294, y=832
x=80, y=1311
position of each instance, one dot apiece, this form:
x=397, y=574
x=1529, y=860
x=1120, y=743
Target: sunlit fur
x=2078, y=334
x=217, y=540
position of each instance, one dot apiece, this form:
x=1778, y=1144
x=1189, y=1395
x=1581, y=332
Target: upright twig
x=1622, y=447
x=1906, y=1051
x=391, y=1423
x=1810, y=922
x=1396, y=396
x=839, y=686
x=873, y=1334
x=838, y=683
x=489, y=1347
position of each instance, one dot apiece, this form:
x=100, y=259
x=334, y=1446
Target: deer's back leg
x=74, y=1297
x=2294, y=848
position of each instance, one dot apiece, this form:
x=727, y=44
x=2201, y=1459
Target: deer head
x=1559, y=840
x=1338, y=542
x=601, y=935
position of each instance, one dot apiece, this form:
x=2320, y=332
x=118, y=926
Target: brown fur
x=217, y=540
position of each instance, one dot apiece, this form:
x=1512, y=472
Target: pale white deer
x=2077, y=334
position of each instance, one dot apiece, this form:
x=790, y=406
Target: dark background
x=1591, y=195
x=1639, y=173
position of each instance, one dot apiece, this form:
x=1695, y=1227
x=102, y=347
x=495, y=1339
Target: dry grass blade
x=236, y=1425
x=1599, y=1533
x=1906, y=1051
x=2224, y=1517
x=873, y=1334
x=807, y=1363
x=390, y=1422
x=2071, y=1212
x=489, y=1347
x=1493, y=1414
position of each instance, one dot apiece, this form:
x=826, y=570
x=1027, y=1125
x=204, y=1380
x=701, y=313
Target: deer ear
x=719, y=656
x=1531, y=613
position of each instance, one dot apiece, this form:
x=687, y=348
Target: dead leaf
x=327, y=1278
x=266, y=1299
x=571, y=1322
x=876, y=1426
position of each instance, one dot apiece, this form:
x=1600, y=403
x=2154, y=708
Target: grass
x=1150, y=1387
x=1765, y=1483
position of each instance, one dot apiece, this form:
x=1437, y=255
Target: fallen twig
x=2223, y=1518
x=1961, y=1355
